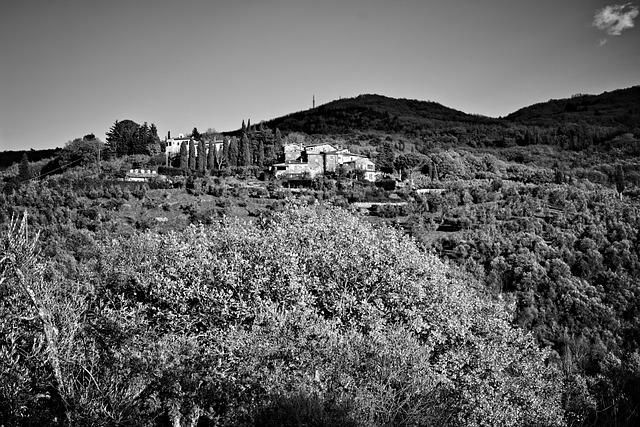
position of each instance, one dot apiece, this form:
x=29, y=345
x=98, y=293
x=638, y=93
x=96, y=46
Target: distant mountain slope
x=619, y=107
x=374, y=112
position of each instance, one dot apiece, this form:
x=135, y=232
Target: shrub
x=386, y=184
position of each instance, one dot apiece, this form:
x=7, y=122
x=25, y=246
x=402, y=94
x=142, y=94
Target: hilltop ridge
x=601, y=117
x=619, y=107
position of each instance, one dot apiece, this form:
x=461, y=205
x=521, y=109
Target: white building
x=172, y=145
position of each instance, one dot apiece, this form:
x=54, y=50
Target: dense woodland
x=492, y=279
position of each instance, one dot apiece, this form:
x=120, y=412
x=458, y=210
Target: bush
x=386, y=184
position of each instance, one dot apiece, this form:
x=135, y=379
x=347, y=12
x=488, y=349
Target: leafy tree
x=82, y=151
x=407, y=163
x=195, y=134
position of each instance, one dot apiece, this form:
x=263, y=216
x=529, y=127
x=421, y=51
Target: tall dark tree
x=385, y=157
x=154, y=131
x=244, y=127
x=225, y=151
x=248, y=125
x=244, y=151
x=152, y=144
x=184, y=155
x=192, y=154
x=211, y=156
x=233, y=152
x=24, y=170
x=277, y=145
x=139, y=142
x=201, y=159
x=121, y=138
x=195, y=134
x=260, y=160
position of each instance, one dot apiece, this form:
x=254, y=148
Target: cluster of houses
x=302, y=160
x=314, y=159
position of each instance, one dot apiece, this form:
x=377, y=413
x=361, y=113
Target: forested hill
x=617, y=108
x=374, y=112
x=576, y=123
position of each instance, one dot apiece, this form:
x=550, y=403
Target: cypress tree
x=244, y=128
x=277, y=146
x=261, y=153
x=201, y=160
x=24, y=170
x=205, y=157
x=211, y=156
x=244, y=152
x=192, y=154
x=184, y=156
x=233, y=152
x=225, y=151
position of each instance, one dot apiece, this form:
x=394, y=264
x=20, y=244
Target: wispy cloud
x=614, y=19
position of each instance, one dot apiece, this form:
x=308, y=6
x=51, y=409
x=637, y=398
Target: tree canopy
x=126, y=137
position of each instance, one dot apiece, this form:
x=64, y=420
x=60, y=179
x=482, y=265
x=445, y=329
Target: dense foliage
x=568, y=258
x=311, y=316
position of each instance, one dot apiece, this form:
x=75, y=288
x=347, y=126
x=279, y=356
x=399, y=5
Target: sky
x=73, y=67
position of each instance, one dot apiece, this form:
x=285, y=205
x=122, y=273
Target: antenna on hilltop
x=314, y=101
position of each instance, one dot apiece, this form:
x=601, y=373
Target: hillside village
x=298, y=160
